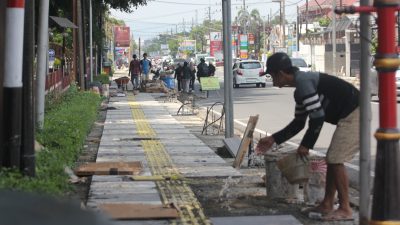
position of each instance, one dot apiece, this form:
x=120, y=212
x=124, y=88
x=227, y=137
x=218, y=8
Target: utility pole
x=245, y=23
x=306, y=18
x=298, y=29
x=183, y=26
x=283, y=23
x=365, y=117
x=42, y=52
x=197, y=18
x=75, y=41
x=81, y=54
x=265, y=36
x=14, y=38
x=139, y=48
x=91, y=40
x=334, y=39
x=209, y=14
x=228, y=84
x=28, y=118
x=3, y=8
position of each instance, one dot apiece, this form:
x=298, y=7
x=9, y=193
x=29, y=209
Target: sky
x=160, y=16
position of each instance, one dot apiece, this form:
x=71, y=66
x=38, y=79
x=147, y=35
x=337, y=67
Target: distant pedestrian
x=320, y=98
x=134, y=71
x=186, y=76
x=211, y=69
x=202, y=70
x=178, y=75
x=145, y=64
x=192, y=75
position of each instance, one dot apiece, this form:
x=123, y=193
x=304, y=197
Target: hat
x=278, y=61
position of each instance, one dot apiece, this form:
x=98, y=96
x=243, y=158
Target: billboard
x=122, y=36
x=251, y=39
x=187, y=45
x=216, y=45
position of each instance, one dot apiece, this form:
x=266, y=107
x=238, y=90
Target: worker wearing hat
x=320, y=98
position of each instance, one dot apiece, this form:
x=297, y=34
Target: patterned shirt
x=320, y=97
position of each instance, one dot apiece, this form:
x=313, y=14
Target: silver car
x=248, y=72
x=375, y=83
x=301, y=64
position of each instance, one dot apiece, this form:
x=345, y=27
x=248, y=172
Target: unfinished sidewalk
x=140, y=128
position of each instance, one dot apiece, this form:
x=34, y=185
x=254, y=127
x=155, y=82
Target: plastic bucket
x=295, y=169
x=169, y=82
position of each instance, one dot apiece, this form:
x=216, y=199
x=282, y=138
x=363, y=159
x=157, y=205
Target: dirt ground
x=245, y=196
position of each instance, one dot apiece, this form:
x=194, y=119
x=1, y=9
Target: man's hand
x=302, y=151
x=264, y=145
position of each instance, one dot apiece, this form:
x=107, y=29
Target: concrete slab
x=207, y=159
x=256, y=220
x=141, y=222
x=209, y=171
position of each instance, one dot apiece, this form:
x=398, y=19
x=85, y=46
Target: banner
x=216, y=45
x=122, y=36
x=251, y=39
x=243, y=46
x=187, y=45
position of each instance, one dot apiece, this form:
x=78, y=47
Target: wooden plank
x=127, y=211
x=247, y=138
x=109, y=168
x=232, y=144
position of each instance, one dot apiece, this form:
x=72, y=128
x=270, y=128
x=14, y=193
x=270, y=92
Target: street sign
x=52, y=55
x=209, y=83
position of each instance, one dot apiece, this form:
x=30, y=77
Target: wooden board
x=128, y=211
x=247, y=138
x=109, y=168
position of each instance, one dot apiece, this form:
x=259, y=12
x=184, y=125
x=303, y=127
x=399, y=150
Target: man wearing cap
x=321, y=98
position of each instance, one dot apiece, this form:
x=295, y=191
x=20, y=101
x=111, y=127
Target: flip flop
x=312, y=213
x=313, y=210
x=335, y=217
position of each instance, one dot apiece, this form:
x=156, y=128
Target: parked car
x=248, y=72
x=375, y=84
x=301, y=64
x=209, y=59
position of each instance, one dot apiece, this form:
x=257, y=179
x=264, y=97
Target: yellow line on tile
x=173, y=191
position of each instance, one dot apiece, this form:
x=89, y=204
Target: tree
x=324, y=21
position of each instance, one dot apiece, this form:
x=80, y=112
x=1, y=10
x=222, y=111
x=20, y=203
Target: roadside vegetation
x=68, y=120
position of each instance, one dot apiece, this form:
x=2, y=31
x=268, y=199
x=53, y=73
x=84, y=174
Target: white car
x=375, y=83
x=209, y=59
x=301, y=64
x=248, y=72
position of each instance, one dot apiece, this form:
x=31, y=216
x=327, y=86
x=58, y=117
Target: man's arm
x=294, y=127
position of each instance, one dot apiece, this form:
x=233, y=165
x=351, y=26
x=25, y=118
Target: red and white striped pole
x=14, y=37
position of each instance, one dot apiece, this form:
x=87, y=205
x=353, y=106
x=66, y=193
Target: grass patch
x=66, y=125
